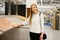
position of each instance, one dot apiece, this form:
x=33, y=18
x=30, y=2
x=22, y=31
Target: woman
x=37, y=24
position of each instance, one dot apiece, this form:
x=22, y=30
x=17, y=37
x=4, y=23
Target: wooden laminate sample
x=5, y=24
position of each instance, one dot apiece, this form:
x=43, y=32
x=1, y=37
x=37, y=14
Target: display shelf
x=2, y=8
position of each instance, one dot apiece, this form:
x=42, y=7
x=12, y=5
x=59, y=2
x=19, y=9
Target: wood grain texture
x=5, y=24
x=21, y=17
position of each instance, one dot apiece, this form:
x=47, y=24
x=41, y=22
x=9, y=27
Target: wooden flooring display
x=5, y=24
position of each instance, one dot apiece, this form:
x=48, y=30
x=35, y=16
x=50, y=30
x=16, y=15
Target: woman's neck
x=37, y=12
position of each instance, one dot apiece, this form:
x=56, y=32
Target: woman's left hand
x=41, y=36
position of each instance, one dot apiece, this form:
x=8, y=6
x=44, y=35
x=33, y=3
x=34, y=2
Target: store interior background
x=16, y=11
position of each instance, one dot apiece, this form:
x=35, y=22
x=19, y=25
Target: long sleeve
x=42, y=22
x=26, y=21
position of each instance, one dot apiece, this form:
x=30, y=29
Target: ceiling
x=45, y=2
x=49, y=2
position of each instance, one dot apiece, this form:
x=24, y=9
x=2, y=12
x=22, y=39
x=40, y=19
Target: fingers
x=15, y=25
x=41, y=38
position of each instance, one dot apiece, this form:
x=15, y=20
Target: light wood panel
x=53, y=23
x=20, y=17
x=5, y=24
x=14, y=0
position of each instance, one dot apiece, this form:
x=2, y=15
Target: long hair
x=31, y=14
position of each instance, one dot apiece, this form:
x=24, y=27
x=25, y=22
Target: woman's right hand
x=17, y=25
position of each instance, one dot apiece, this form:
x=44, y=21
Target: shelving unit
x=2, y=7
x=16, y=8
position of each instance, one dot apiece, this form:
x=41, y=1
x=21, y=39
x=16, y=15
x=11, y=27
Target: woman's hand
x=17, y=25
x=41, y=36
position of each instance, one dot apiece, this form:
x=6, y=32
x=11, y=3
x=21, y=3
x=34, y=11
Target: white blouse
x=37, y=25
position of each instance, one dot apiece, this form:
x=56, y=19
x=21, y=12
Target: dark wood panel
x=22, y=10
x=13, y=9
x=28, y=12
x=6, y=8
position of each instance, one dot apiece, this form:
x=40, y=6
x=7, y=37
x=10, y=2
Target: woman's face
x=34, y=8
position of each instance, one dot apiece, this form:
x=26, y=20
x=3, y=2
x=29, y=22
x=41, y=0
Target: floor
x=52, y=34
x=23, y=33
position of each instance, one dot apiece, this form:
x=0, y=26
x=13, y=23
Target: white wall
x=29, y=2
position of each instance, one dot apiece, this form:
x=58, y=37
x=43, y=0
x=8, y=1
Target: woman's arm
x=26, y=21
x=42, y=26
x=22, y=24
x=42, y=22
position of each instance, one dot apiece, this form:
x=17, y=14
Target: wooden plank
x=21, y=17
x=53, y=23
x=5, y=24
x=58, y=15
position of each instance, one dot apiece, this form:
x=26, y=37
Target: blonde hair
x=32, y=12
